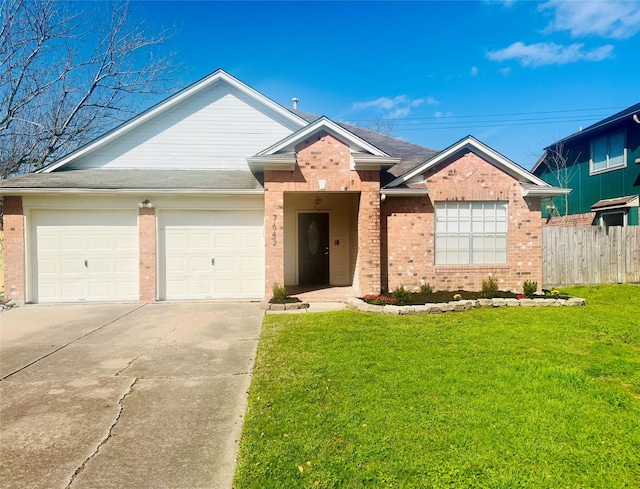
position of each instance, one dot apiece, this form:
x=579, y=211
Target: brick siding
x=14, y=259
x=147, y=240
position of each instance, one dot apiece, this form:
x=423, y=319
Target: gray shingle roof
x=161, y=180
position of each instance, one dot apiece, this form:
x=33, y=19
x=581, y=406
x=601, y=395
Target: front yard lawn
x=488, y=398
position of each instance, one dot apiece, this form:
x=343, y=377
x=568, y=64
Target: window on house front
x=608, y=152
x=471, y=233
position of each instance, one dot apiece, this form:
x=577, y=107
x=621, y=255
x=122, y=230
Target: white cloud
x=549, y=53
x=617, y=19
x=396, y=107
x=505, y=71
x=474, y=70
x=439, y=115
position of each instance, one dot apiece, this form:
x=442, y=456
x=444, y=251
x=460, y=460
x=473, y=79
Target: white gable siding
x=214, y=129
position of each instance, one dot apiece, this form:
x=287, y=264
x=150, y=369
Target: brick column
x=273, y=234
x=14, y=259
x=369, y=234
x=147, y=241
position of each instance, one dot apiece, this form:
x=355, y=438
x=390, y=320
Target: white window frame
x=602, y=214
x=470, y=232
x=609, y=166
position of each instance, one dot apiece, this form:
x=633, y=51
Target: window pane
x=616, y=149
x=599, y=153
x=477, y=210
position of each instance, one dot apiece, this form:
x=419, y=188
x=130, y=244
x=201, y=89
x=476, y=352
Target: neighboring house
x=219, y=192
x=601, y=164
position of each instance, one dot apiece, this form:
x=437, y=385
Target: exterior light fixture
x=145, y=203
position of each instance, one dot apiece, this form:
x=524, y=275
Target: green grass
x=490, y=398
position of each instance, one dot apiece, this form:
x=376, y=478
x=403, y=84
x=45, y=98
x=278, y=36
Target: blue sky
x=517, y=75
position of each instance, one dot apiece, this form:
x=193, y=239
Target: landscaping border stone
x=459, y=306
x=289, y=306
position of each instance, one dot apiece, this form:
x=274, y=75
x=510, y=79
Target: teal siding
x=589, y=189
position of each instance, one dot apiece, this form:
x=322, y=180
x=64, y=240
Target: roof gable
x=485, y=152
x=355, y=143
x=281, y=155
x=285, y=119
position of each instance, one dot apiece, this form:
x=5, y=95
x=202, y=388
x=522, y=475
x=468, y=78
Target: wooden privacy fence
x=590, y=255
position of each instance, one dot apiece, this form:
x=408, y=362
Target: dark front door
x=313, y=248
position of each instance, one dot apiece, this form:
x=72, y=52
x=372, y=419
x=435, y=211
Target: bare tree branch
x=67, y=75
x=562, y=165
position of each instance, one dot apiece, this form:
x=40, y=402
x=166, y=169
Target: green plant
x=279, y=291
x=380, y=300
x=490, y=287
x=457, y=297
x=401, y=294
x=426, y=289
x=529, y=288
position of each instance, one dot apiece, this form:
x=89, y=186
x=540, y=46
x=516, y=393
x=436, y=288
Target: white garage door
x=211, y=255
x=88, y=255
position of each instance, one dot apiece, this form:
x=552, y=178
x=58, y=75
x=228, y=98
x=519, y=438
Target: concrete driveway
x=124, y=395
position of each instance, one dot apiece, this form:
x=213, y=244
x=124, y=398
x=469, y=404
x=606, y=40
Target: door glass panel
x=313, y=238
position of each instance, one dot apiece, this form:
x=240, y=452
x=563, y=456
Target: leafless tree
x=562, y=165
x=67, y=75
x=379, y=125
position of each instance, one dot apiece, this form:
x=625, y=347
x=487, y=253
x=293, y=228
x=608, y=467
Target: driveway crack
x=106, y=438
x=146, y=352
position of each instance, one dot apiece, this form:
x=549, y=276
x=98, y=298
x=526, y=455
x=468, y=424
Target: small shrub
x=490, y=287
x=380, y=300
x=426, y=289
x=401, y=294
x=279, y=292
x=529, y=288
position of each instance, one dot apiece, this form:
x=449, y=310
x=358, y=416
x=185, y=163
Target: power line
x=490, y=120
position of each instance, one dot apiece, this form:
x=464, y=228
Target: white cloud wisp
x=549, y=53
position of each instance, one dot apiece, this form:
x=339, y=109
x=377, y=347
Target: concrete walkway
x=124, y=395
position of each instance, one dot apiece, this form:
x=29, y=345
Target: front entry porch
x=320, y=239
x=322, y=293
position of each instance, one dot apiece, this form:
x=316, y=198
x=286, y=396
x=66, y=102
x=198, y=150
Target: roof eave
x=378, y=163
x=544, y=191
x=275, y=162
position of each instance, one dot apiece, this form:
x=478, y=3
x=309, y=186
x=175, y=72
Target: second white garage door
x=211, y=255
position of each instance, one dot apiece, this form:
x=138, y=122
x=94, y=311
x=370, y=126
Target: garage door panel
x=123, y=265
x=199, y=239
x=228, y=238
x=71, y=242
x=251, y=264
x=85, y=255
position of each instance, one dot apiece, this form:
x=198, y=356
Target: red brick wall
x=323, y=157
x=409, y=228
x=147, y=240
x=14, y=264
